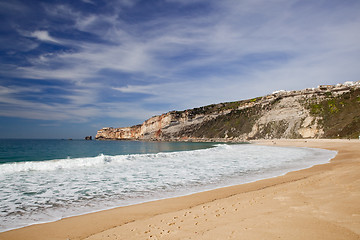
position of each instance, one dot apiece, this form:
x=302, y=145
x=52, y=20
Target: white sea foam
x=33, y=192
x=69, y=163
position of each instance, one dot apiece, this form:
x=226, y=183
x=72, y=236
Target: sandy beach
x=322, y=202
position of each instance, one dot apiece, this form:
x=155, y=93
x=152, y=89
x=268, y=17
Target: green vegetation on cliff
x=340, y=114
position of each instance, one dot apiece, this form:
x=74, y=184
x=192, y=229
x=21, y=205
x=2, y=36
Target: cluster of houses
x=338, y=87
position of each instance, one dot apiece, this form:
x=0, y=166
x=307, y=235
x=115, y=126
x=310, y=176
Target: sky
x=71, y=67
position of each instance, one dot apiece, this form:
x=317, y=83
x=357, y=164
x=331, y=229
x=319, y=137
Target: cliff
x=328, y=111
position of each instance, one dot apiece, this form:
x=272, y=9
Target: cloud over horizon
x=128, y=60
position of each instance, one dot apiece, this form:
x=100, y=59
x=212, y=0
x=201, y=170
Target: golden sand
x=322, y=202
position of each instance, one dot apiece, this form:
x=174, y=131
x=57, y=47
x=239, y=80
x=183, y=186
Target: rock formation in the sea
x=88, y=138
x=328, y=111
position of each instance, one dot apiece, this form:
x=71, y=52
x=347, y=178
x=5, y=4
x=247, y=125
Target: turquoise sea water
x=21, y=150
x=46, y=180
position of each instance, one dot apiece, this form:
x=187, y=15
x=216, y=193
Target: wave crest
x=56, y=164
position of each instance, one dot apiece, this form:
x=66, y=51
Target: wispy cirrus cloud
x=149, y=89
x=43, y=36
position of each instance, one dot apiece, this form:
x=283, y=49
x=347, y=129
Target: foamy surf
x=58, y=164
x=33, y=192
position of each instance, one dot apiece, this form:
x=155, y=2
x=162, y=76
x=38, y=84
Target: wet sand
x=322, y=202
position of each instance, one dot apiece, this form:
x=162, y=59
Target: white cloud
x=88, y=1
x=186, y=2
x=43, y=36
x=149, y=89
x=18, y=89
x=11, y=7
x=77, y=105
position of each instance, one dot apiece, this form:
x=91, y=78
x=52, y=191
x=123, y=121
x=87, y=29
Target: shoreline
x=117, y=220
x=185, y=192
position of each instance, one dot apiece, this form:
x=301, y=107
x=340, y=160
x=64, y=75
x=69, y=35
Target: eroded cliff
x=327, y=111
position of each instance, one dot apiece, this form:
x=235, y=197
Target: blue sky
x=69, y=68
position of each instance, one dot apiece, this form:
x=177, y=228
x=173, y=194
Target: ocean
x=46, y=180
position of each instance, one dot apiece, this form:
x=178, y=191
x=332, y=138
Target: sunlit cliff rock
x=328, y=111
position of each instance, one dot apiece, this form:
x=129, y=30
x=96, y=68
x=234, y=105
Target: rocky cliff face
x=327, y=111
